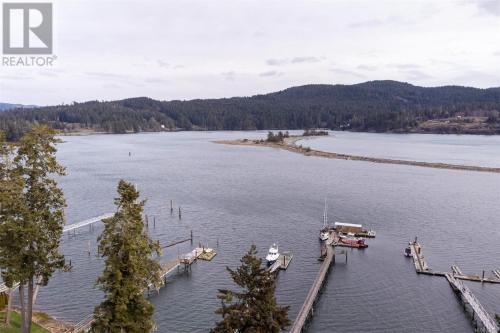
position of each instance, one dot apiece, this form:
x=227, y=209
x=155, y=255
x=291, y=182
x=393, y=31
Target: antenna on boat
x=325, y=216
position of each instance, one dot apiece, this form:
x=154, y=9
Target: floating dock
x=307, y=308
x=479, y=314
x=282, y=262
x=421, y=267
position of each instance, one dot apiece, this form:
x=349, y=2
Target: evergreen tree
x=10, y=206
x=32, y=218
x=129, y=268
x=254, y=307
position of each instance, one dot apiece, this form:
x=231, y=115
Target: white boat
x=272, y=255
x=324, y=233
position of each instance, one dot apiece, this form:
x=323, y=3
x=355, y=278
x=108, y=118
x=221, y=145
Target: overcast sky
x=184, y=49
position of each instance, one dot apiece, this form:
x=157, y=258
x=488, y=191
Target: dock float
x=307, y=307
x=479, y=314
x=282, y=263
x=421, y=267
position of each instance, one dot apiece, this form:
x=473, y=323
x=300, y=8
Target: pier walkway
x=84, y=223
x=307, y=308
x=478, y=312
x=5, y=289
x=70, y=227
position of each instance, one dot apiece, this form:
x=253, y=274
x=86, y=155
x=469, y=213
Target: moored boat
x=352, y=241
x=272, y=255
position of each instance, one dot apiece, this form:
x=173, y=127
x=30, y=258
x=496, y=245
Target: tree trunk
x=8, y=312
x=30, y=304
x=37, y=288
x=23, y=309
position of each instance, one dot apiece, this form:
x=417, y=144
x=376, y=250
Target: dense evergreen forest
x=378, y=106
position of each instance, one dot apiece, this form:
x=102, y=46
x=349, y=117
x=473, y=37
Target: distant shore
x=290, y=145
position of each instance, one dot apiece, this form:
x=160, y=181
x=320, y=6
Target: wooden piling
x=180, y=215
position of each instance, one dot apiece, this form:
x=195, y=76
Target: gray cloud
x=276, y=62
x=416, y=75
x=372, y=23
x=230, y=75
x=154, y=80
x=346, y=72
x=488, y=6
x=162, y=63
x=298, y=60
x=366, y=23
x=404, y=66
x=271, y=73
x=367, y=67
x=105, y=75
x=497, y=53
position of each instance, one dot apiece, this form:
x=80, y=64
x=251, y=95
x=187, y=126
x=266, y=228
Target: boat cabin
x=348, y=227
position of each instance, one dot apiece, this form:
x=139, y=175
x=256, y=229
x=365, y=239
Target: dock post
x=146, y=220
x=180, y=215
x=88, y=248
x=154, y=221
x=483, y=276
x=191, y=237
x=171, y=207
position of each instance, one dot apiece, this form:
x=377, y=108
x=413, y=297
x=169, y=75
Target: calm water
x=479, y=150
x=242, y=195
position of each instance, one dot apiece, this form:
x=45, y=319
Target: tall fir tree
x=252, y=309
x=32, y=218
x=11, y=201
x=129, y=268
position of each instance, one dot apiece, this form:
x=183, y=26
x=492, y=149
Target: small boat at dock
x=272, y=255
x=351, y=241
x=407, y=252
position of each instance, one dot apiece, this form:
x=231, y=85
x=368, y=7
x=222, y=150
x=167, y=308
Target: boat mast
x=325, y=216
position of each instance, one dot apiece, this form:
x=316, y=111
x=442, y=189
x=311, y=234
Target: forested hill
x=372, y=106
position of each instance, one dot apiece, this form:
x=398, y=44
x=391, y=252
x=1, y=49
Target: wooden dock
x=421, y=267
x=5, y=289
x=417, y=254
x=479, y=314
x=307, y=308
x=282, y=262
x=84, y=223
x=166, y=268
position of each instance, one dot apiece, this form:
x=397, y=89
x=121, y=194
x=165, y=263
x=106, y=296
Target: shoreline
x=289, y=145
x=47, y=322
